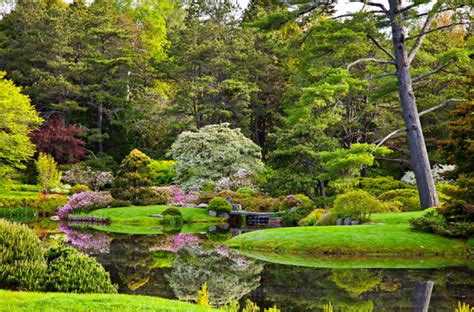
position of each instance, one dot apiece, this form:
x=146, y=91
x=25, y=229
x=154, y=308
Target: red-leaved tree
x=63, y=142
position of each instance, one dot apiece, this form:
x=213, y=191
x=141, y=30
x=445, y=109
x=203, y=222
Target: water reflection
x=175, y=265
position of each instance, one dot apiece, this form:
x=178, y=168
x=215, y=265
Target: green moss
x=34, y=301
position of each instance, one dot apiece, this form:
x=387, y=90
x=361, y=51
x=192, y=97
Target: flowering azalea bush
x=83, y=202
x=178, y=196
x=175, y=243
x=242, y=178
x=97, y=242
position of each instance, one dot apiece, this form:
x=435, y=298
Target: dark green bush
x=258, y=202
x=407, y=197
x=143, y=196
x=72, y=272
x=119, y=203
x=219, y=204
x=292, y=218
x=172, y=211
x=294, y=201
x=357, y=204
x=22, y=263
x=173, y=221
x=434, y=222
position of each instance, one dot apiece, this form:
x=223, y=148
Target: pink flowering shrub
x=90, y=242
x=174, y=244
x=180, y=197
x=83, y=202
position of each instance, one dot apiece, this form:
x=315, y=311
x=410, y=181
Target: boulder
x=212, y=213
x=224, y=215
x=355, y=222
x=212, y=228
x=156, y=216
x=347, y=221
x=55, y=218
x=202, y=205
x=339, y=221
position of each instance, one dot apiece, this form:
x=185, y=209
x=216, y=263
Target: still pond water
x=174, y=264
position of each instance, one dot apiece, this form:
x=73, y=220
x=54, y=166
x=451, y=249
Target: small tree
x=212, y=153
x=49, y=176
x=134, y=170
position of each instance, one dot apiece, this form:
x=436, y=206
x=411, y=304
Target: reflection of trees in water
x=227, y=274
x=308, y=289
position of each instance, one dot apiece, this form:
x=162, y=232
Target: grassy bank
x=33, y=301
x=147, y=229
x=141, y=215
x=395, y=238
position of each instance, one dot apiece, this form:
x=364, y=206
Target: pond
x=174, y=264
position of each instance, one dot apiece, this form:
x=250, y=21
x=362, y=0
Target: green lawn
x=395, y=238
x=33, y=301
x=395, y=218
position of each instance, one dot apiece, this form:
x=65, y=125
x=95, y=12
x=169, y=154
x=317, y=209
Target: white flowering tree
x=213, y=153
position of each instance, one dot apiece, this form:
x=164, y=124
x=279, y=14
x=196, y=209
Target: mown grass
x=395, y=238
x=396, y=218
x=146, y=229
x=35, y=301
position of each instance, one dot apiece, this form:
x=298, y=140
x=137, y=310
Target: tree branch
x=429, y=110
x=419, y=40
x=370, y=59
x=379, y=5
x=432, y=30
x=381, y=47
x=434, y=71
x=383, y=75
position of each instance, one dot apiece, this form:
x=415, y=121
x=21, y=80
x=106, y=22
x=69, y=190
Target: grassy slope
x=30, y=301
x=141, y=214
x=389, y=239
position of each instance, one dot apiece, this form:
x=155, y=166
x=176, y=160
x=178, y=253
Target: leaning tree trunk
x=416, y=141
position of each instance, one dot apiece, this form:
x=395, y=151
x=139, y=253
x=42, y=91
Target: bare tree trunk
x=416, y=141
x=422, y=296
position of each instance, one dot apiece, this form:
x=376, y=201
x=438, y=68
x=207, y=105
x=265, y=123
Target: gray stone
x=202, y=205
x=212, y=228
x=347, y=221
x=293, y=209
x=223, y=227
x=339, y=221
x=224, y=215
x=355, y=222
x=212, y=213
x=55, y=218
x=156, y=216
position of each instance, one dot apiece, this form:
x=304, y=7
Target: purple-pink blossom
x=84, y=201
x=174, y=244
x=91, y=242
x=178, y=196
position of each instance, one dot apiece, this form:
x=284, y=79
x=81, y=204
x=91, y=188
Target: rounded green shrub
x=407, y=197
x=313, y=217
x=246, y=191
x=22, y=263
x=379, y=185
x=219, y=204
x=73, y=272
x=79, y=188
x=356, y=204
x=172, y=211
x=163, y=172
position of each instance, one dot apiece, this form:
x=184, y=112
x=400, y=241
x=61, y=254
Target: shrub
x=356, y=204
x=294, y=201
x=21, y=257
x=119, y=203
x=72, y=272
x=163, y=172
x=219, y=204
x=143, y=196
x=172, y=212
x=407, y=197
x=178, y=196
x=79, y=188
x=258, y=202
x=134, y=171
x=172, y=222
x=212, y=153
x=95, y=180
x=302, y=207
x=84, y=202
x=246, y=191
x=379, y=185
x=49, y=176
x=43, y=204
x=313, y=217
x=434, y=222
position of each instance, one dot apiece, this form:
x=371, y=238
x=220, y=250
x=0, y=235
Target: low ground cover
x=392, y=239
x=142, y=215
x=35, y=301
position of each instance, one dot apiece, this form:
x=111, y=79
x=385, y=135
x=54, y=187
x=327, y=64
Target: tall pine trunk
x=416, y=141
